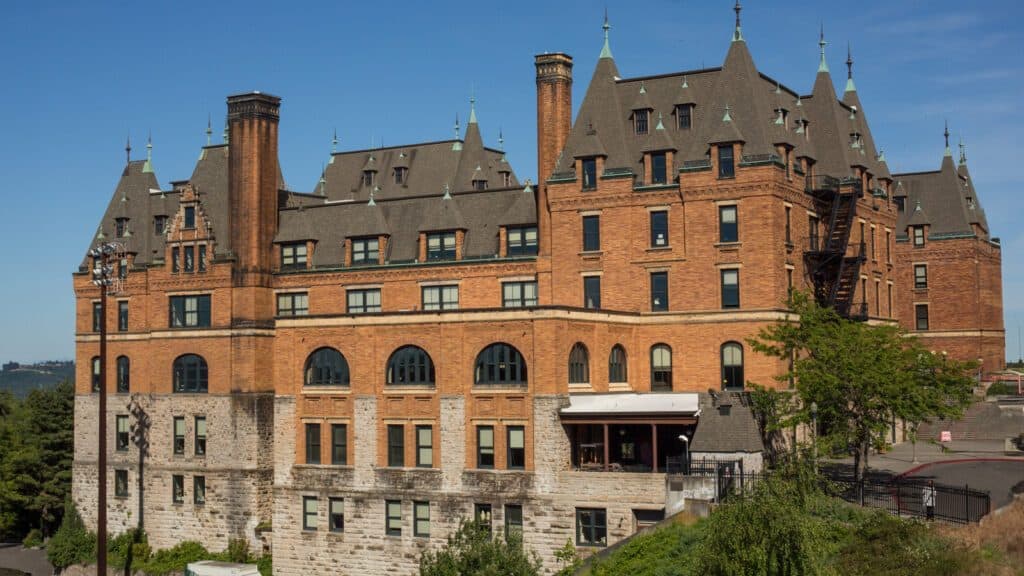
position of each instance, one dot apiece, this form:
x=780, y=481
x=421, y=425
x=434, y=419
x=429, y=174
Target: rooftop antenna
x=823, y=65
x=606, y=51
x=737, y=36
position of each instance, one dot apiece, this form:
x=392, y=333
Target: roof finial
x=323, y=179
x=334, y=142
x=472, y=105
x=946, y=134
x=501, y=140
x=737, y=36
x=727, y=117
x=660, y=126
x=148, y=166
x=225, y=135
x=128, y=149
x=457, y=145
x=209, y=129
x=963, y=150
x=606, y=51
x=849, y=70
x=447, y=192
x=371, y=202
x=685, y=83
x=823, y=65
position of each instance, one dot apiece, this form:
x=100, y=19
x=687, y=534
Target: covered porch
x=630, y=432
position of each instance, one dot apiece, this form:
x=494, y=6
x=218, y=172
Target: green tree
x=473, y=550
x=49, y=424
x=73, y=543
x=860, y=376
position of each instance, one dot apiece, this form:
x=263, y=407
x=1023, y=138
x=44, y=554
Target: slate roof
x=948, y=200
x=721, y=430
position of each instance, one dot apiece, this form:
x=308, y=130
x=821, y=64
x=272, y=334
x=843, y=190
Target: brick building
x=424, y=337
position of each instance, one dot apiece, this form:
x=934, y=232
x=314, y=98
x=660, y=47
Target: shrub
x=128, y=549
x=174, y=559
x=33, y=539
x=1002, y=389
x=265, y=565
x=472, y=550
x=72, y=543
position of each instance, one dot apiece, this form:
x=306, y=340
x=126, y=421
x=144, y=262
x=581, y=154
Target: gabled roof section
x=442, y=214
x=210, y=181
x=946, y=201
x=601, y=112
x=137, y=198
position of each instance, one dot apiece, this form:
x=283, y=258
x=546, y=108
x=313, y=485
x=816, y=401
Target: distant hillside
x=23, y=379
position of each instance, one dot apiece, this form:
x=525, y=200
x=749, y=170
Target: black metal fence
x=900, y=497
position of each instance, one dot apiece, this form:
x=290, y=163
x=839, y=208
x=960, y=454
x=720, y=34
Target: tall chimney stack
x=554, y=121
x=252, y=185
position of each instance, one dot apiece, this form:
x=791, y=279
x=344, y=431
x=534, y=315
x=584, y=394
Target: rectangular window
x=190, y=311
x=684, y=116
x=336, y=514
x=190, y=255
x=310, y=511
x=393, y=517
x=591, y=233
x=175, y=260
x=440, y=297
x=592, y=292
x=121, y=483
x=921, y=316
x=874, y=256
x=728, y=228
x=190, y=217
x=294, y=256
x=364, y=301
x=659, y=229
x=122, y=316
x=518, y=294
x=339, y=444
x=659, y=291
x=368, y=177
x=813, y=240
x=888, y=249
x=159, y=225
x=421, y=519
x=918, y=235
x=296, y=304
x=312, y=443
x=889, y=290
x=122, y=433
x=513, y=519
x=179, y=434
x=589, y=173
x=441, y=246
x=200, y=438
x=730, y=288
x=424, y=446
x=516, y=440
x=522, y=241
x=199, y=490
x=482, y=516
x=97, y=316
x=878, y=298
x=591, y=527
x=400, y=173
x=485, y=446
x=120, y=224
x=396, y=445
x=789, y=230
x=177, y=489
x=202, y=257
x=920, y=275
x=726, y=162
x=365, y=251
x=640, y=121
x=789, y=278
x=659, y=169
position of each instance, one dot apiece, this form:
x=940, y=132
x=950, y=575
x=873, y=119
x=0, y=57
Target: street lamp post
x=814, y=435
x=686, y=447
x=103, y=277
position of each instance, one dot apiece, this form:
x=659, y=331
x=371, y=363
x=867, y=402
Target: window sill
x=409, y=388
x=591, y=254
x=492, y=389
x=122, y=496
x=324, y=466
x=728, y=245
x=665, y=248
x=326, y=389
x=920, y=290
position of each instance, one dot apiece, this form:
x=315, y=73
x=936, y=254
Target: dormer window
x=506, y=179
x=479, y=184
x=441, y=246
x=640, y=121
x=190, y=217
x=401, y=175
x=589, y=173
x=120, y=226
x=726, y=162
x=918, y=233
x=901, y=203
x=159, y=225
x=659, y=168
x=782, y=117
x=368, y=177
x=684, y=116
x=293, y=256
x=365, y=251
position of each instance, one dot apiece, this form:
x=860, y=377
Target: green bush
x=1002, y=389
x=174, y=559
x=882, y=544
x=72, y=543
x=265, y=565
x=473, y=550
x=128, y=549
x=33, y=539
x=666, y=551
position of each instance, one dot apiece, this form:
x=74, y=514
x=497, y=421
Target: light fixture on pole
x=686, y=447
x=103, y=257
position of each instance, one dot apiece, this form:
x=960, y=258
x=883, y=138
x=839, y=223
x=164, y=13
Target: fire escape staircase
x=832, y=272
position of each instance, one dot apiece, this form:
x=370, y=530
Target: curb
x=955, y=461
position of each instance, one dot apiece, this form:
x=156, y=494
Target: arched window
x=326, y=367
x=661, y=368
x=95, y=374
x=190, y=373
x=500, y=364
x=123, y=374
x=617, y=364
x=732, y=366
x=579, y=364
x=410, y=365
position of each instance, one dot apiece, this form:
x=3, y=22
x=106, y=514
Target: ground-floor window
x=513, y=519
x=309, y=512
x=393, y=517
x=336, y=515
x=591, y=527
x=421, y=519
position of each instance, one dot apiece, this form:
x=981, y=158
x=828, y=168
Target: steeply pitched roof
x=949, y=204
x=721, y=429
x=137, y=198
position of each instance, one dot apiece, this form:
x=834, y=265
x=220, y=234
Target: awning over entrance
x=643, y=407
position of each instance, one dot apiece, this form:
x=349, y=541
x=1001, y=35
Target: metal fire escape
x=832, y=272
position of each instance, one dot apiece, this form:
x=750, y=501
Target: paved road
x=16, y=557
x=995, y=477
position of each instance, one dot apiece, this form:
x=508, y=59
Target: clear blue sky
x=78, y=77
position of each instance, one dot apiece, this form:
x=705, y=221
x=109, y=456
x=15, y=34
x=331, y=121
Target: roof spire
x=128, y=149
x=323, y=179
x=606, y=51
x=209, y=129
x=501, y=140
x=946, y=134
x=727, y=117
x=334, y=142
x=963, y=150
x=737, y=36
x=849, y=70
x=823, y=65
x=148, y=166
x=457, y=145
x=472, y=106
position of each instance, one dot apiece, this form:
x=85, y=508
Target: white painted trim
x=586, y=273
x=659, y=208
x=452, y=282
x=504, y=279
x=590, y=212
x=377, y=286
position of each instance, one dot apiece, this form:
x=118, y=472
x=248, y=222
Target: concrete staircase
x=982, y=421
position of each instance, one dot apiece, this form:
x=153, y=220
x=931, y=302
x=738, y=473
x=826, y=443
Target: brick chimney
x=554, y=121
x=252, y=185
